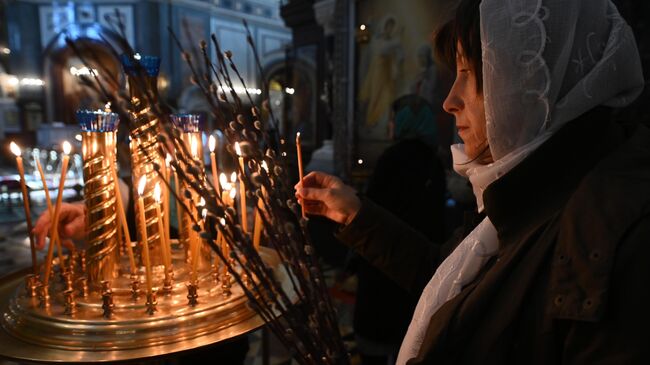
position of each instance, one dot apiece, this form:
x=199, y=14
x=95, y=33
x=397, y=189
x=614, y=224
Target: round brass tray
x=31, y=333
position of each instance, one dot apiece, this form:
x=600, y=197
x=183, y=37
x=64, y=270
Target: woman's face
x=465, y=102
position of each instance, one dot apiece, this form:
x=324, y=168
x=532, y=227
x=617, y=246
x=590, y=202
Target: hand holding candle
x=300, y=170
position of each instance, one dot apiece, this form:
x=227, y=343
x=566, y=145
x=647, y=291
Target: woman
x=557, y=270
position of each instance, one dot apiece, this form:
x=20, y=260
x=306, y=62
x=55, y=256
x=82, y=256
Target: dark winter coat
x=570, y=283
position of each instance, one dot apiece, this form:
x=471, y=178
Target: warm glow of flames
x=222, y=221
x=237, y=149
x=195, y=147
x=67, y=147
x=233, y=177
x=156, y=193
x=223, y=180
x=142, y=184
x=212, y=143
x=233, y=193
x=15, y=149
x=298, y=138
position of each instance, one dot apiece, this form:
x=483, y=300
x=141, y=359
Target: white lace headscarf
x=545, y=62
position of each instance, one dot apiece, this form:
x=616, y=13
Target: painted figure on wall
x=379, y=87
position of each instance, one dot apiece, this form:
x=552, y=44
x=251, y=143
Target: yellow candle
x=179, y=207
x=53, y=240
x=164, y=241
x=168, y=160
x=55, y=221
x=143, y=233
x=242, y=190
x=259, y=224
x=300, y=171
x=212, y=144
x=21, y=171
x=122, y=219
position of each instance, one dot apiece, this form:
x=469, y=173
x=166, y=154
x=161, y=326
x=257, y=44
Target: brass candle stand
x=98, y=310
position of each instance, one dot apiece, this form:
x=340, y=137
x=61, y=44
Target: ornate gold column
x=99, y=133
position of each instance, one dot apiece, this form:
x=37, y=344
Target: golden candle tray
x=32, y=332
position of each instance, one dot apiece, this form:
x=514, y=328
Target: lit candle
x=242, y=190
x=212, y=144
x=21, y=171
x=194, y=145
x=300, y=171
x=55, y=221
x=157, y=192
x=143, y=233
x=179, y=204
x=168, y=160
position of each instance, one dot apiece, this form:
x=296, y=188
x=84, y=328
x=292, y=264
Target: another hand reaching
x=72, y=225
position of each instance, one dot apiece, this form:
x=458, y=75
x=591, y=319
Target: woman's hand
x=326, y=195
x=72, y=225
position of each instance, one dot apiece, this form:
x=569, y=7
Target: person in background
x=408, y=181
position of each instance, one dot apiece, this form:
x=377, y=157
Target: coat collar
x=530, y=193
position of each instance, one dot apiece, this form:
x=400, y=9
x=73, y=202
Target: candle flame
x=67, y=147
x=237, y=149
x=195, y=147
x=222, y=221
x=142, y=184
x=233, y=177
x=223, y=180
x=298, y=138
x=156, y=192
x=233, y=193
x=15, y=149
x=212, y=143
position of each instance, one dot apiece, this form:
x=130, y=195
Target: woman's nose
x=453, y=103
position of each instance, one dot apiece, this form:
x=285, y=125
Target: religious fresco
x=393, y=59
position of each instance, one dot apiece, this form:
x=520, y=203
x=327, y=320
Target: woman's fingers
x=312, y=194
x=317, y=179
x=68, y=244
x=75, y=228
x=71, y=224
x=41, y=230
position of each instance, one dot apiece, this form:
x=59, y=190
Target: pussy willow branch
x=308, y=328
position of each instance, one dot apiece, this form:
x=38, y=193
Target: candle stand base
x=32, y=333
